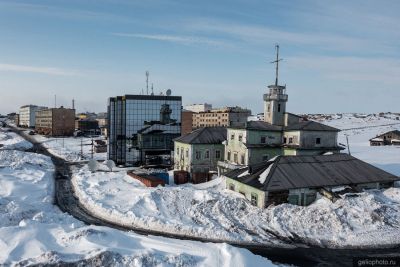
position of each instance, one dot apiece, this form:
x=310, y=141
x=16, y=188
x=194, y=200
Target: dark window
x=290, y=140
x=284, y=140
x=235, y=158
x=240, y=138
x=318, y=141
x=279, y=107
x=207, y=154
x=242, y=159
x=232, y=136
x=232, y=187
x=229, y=155
x=254, y=199
x=263, y=139
x=198, y=155
x=217, y=154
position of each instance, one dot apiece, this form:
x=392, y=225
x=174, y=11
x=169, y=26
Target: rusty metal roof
x=291, y=172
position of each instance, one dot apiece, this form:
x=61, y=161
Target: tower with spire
x=275, y=100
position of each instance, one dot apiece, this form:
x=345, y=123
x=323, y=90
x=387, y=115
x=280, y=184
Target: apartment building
x=221, y=117
x=55, y=121
x=27, y=115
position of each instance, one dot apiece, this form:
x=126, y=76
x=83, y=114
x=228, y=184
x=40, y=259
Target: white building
x=199, y=107
x=27, y=115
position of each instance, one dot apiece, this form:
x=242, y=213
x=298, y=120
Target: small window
x=177, y=151
x=235, y=158
x=279, y=107
x=318, y=141
x=232, y=136
x=242, y=159
x=198, y=155
x=284, y=140
x=232, y=187
x=229, y=155
x=290, y=140
x=187, y=153
x=268, y=107
x=217, y=154
x=263, y=140
x=240, y=138
x=254, y=199
x=207, y=154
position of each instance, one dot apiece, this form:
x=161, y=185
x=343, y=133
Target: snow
x=69, y=148
x=368, y=219
x=264, y=174
x=34, y=231
x=9, y=140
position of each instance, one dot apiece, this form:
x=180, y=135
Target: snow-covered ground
x=385, y=157
x=33, y=230
x=10, y=140
x=369, y=219
x=70, y=148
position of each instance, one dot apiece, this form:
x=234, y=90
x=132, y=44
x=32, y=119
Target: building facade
x=87, y=126
x=388, y=138
x=27, y=115
x=196, y=108
x=222, y=117
x=141, y=128
x=187, y=121
x=199, y=152
x=55, y=121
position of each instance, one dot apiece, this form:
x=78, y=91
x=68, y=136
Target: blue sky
x=339, y=56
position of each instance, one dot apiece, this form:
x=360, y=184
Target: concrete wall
x=307, y=139
x=247, y=191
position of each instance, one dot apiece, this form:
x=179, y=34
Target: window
x=263, y=139
x=268, y=107
x=235, y=158
x=240, y=138
x=187, y=153
x=284, y=140
x=198, y=155
x=229, y=155
x=217, y=154
x=279, y=107
x=318, y=141
x=207, y=154
x=265, y=157
x=177, y=151
x=232, y=187
x=290, y=140
x=232, y=136
x=242, y=159
x=254, y=199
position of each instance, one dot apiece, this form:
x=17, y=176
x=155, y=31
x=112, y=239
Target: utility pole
x=147, y=82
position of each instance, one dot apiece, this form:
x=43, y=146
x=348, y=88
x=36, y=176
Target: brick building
x=55, y=121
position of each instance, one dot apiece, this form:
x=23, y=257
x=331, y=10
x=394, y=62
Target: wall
x=187, y=122
x=234, y=146
x=247, y=191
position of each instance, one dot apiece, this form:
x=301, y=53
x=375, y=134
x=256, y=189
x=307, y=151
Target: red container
x=181, y=177
x=200, y=177
x=148, y=180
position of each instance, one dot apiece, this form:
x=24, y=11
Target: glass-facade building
x=142, y=127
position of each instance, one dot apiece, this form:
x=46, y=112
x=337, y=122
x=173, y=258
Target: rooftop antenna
x=73, y=103
x=55, y=101
x=152, y=90
x=147, y=81
x=277, y=63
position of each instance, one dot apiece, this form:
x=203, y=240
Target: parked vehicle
x=31, y=133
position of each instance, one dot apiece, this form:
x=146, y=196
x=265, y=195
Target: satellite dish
x=169, y=92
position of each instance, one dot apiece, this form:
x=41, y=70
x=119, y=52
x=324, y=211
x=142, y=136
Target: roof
x=291, y=172
x=310, y=126
x=259, y=125
x=206, y=135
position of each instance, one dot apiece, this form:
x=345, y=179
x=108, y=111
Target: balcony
x=276, y=97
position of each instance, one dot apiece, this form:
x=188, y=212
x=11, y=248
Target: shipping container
x=181, y=177
x=161, y=175
x=200, y=177
x=148, y=180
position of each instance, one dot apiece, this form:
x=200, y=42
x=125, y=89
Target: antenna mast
x=147, y=81
x=277, y=64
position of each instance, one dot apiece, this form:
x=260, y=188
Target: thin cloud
x=40, y=70
x=185, y=40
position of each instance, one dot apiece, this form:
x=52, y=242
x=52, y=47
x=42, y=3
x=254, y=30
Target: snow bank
x=33, y=231
x=10, y=140
x=369, y=219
